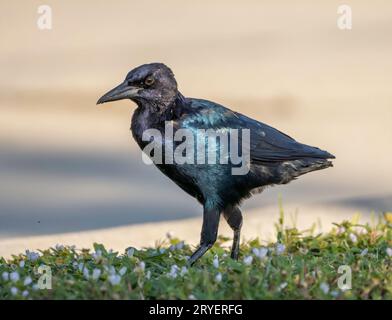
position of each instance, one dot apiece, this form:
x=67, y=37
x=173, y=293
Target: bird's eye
x=149, y=81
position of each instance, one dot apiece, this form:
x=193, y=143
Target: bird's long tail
x=292, y=169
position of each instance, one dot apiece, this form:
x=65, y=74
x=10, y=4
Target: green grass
x=300, y=265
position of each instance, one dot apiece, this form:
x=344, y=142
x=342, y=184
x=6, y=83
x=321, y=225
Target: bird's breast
x=143, y=122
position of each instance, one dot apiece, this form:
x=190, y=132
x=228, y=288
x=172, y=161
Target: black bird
x=275, y=158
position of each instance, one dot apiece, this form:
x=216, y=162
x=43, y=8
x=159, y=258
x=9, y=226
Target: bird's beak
x=123, y=91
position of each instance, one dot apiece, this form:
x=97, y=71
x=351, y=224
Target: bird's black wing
x=267, y=144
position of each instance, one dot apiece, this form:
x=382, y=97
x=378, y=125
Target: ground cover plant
x=352, y=261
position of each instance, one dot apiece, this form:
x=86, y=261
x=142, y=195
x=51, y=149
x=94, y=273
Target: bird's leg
x=209, y=233
x=233, y=217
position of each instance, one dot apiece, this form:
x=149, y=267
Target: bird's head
x=152, y=83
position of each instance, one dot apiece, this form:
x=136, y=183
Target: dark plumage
x=275, y=158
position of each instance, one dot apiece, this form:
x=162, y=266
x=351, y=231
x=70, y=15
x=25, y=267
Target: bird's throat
x=153, y=116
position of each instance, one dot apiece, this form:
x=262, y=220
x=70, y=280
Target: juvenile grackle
x=274, y=157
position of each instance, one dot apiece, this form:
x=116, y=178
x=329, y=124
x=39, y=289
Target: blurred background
x=67, y=165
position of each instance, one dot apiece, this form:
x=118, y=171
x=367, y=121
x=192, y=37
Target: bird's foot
x=234, y=254
x=198, y=254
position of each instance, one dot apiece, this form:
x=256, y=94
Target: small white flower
x=148, y=274
x=59, y=247
x=218, y=277
x=282, y=286
x=364, y=252
x=114, y=279
x=14, y=276
x=22, y=263
x=180, y=245
x=353, y=238
x=122, y=271
x=324, y=287
x=173, y=271
x=130, y=252
x=97, y=255
x=31, y=255
x=184, y=270
x=389, y=252
x=25, y=293
x=334, y=293
x=86, y=274
x=140, y=267
x=27, y=281
x=215, y=262
x=261, y=253
x=191, y=297
x=341, y=230
x=248, y=260
x=172, y=275
x=96, y=273
x=81, y=266
x=362, y=231
x=111, y=270
x=14, y=291
x=169, y=234
x=5, y=275
x=280, y=248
